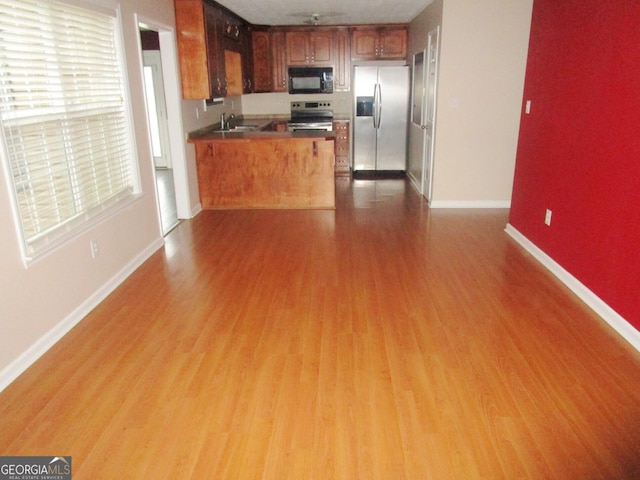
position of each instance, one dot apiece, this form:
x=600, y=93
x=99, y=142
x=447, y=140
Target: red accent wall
x=579, y=148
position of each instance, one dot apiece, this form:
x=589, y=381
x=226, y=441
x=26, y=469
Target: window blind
x=63, y=115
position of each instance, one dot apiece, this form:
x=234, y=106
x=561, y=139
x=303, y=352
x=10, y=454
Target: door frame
x=416, y=134
x=173, y=98
x=153, y=59
x=429, y=124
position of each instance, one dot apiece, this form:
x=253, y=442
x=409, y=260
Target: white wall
x=483, y=51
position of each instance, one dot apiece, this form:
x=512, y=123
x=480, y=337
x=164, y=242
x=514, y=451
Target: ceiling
x=331, y=12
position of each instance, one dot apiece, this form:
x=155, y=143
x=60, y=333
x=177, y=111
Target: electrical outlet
x=547, y=217
x=95, y=249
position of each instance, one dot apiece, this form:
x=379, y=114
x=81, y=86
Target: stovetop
x=311, y=111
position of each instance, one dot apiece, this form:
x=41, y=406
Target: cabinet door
x=230, y=27
x=233, y=70
x=297, y=48
x=364, y=44
x=215, y=52
x=192, y=49
x=321, y=47
x=342, y=66
x=393, y=44
x=341, y=128
x=279, y=56
x=262, y=65
x=247, y=59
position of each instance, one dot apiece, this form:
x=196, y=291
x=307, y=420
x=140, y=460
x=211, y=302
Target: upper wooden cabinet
x=215, y=52
x=246, y=50
x=262, y=64
x=342, y=62
x=207, y=34
x=309, y=47
x=192, y=49
x=279, y=59
x=379, y=43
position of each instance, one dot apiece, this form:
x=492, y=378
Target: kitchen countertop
x=212, y=132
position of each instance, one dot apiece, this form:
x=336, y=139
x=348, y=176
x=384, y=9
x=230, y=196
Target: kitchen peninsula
x=253, y=165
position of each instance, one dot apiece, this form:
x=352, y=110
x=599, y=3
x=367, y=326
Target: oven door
x=310, y=126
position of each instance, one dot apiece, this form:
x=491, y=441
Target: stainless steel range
x=311, y=116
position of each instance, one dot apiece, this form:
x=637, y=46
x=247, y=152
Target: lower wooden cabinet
x=341, y=129
x=266, y=172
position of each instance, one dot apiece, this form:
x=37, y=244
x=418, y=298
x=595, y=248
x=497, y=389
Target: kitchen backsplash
x=280, y=103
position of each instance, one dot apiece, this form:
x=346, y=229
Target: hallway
x=381, y=340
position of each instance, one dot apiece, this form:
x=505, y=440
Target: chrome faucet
x=223, y=122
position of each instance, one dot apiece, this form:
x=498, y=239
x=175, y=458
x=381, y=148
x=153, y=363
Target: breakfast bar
x=265, y=168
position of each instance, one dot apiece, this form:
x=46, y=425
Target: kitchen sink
x=244, y=128
x=239, y=128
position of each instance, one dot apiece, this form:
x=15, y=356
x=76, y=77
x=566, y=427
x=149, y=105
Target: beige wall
x=483, y=51
x=41, y=302
x=280, y=103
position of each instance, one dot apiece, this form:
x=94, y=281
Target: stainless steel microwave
x=310, y=80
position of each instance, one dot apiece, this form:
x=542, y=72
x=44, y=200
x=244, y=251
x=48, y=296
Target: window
x=63, y=116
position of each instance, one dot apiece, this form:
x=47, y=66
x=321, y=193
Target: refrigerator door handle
x=376, y=101
x=379, y=112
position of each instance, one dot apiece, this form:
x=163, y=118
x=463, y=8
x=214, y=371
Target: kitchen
x=225, y=59
x=477, y=117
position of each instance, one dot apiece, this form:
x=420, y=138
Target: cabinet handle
x=315, y=148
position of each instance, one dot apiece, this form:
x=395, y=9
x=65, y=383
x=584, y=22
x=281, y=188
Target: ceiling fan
x=315, y=18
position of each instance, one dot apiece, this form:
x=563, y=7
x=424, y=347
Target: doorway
x=157, y=118
x=429, y=110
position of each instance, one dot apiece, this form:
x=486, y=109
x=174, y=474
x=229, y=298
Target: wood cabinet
x=379, y=43
x=342, y=63
x=233, y=67
x=215, y=52
x=246, y=50
x=206, y=35
x=275, y=49
x=309, y=47
x=231, y=27
x=262, y=63
x=207, y=32
x=192, y=49
x=279, y=59
x=341, y=129
x=266, y=172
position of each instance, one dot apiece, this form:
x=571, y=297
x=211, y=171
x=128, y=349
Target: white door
x=156, y=108
x=429, y=111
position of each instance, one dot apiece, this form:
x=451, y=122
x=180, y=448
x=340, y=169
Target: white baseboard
x=44, y=343
x=414, y=181
x=609, y=315
x=196, y=210
x=470, y=204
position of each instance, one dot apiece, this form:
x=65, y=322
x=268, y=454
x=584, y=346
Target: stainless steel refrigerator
x=381, y=117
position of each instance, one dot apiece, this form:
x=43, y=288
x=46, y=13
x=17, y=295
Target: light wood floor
x=166, y=199
x=379, y=341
